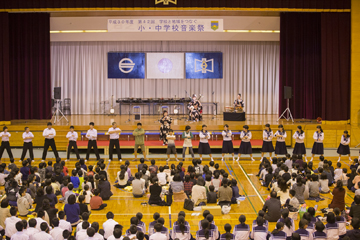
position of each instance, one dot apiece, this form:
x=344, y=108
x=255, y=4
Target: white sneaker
x=177, y=160
x=212, y=159
x=120, y=160
x=66, y=160
x=201, y=159
x=252, y=159
x=237, y=159
x=311, y=159
x=306, y=160
x=261, y=159
x=85, y=160
x=270, y=159
x=339, y=160
x=350, y=159
x=20, y=160
x=109, y=160
x=32, y=160
x=42, y=160
x=222, y=159
x=233, y=158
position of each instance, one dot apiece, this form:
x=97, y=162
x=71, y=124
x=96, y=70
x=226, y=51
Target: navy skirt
x=318, y=148
x=267, y=147
x=245, y=148
x=280, y=148
x=204, y=148
x=227, y=147
x=343, y=149
x=299, y=149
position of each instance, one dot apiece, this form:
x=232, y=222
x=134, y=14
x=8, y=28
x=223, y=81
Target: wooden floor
x=124, y=206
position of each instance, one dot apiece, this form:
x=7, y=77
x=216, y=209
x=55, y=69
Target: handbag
x=189, y=205
x=225, y=209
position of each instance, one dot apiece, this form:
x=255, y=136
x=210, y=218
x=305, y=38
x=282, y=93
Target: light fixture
x=253, y=31
x=78, y=31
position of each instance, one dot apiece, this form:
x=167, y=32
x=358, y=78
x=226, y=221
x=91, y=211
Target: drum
x=229, y=109
x=239, y=109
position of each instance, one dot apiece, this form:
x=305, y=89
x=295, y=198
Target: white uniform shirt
x=244, y=134
x=318, y=137
x=91, y=134
x=267, y=136
x=299, y=138
x=158, y=236
x=108, y=227
x=20, y=236
x=345, y=141
x=48, y=131
x=56, y=233
x=65, y=225
x=204, y=136
x=10, y=228
x=41, y=235
x=5, y=136
x=72, y=136
x=31, y=231
x=38, y=222
x=114, y=135
x=282, y=134
x=25, y=135
x=113, y=238
x=81, y=235
x=227, y=135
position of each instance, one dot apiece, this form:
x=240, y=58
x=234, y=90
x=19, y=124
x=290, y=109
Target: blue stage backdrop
x=204, y=65
x=126, y=65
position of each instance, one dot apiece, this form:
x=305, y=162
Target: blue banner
x=126, y=65
x=204, y=65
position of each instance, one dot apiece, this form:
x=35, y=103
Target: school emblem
x=166, y=2
x=214, y=25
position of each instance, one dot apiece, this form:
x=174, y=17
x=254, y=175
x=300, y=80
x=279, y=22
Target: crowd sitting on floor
x=290, y=181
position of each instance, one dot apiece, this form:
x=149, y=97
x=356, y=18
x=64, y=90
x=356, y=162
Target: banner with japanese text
x=165, y=25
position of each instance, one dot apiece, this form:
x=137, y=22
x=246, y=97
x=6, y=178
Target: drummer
x=238, y=103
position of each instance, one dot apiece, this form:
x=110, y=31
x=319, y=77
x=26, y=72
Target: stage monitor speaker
x=287, y=92
x=57, y=93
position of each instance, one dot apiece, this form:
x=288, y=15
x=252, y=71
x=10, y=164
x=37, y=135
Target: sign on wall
x=165, y=65
x=126, y=65
x=165, y=25
x=204, y=65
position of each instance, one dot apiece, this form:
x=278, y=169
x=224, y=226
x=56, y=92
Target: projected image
x=165, y=65
x=204, y=65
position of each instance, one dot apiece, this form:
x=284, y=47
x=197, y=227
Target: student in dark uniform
x=92, y=136
x=5, y=144
x=245, y=145
x=318, y=147
x=299, y=137
x=344, y=148
x=27, y=137
x=267, y=142
x=280, y=147
x=49, y=133
x=72, y=136
x=227, y=146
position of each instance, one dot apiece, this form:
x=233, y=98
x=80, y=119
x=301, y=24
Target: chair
x=67, y=106
x=165, y=108
x=137, y=113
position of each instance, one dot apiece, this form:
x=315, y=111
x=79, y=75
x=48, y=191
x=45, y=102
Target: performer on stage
x=245, y=145
x=139, y=134
x=344, y=148
x=299, y=137
x=204, y=147
x=5, y=143
x=239, y=103
x=165, y=126
x=114, y=132
x=171, y=148
x=49, y=133
x=195, y=109
x=27, y=137
x=267, y=142
x=227, y=146
x=318, y=147
x=72, y=136
x=187, y=136
x=92, y=136
x=280, y=147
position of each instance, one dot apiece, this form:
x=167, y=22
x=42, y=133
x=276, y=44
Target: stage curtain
x=5, y=107
x=29, y=49
x=250, y=68
x=300, y=63
x=335, y=65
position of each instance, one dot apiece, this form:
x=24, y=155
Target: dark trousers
x=49, y=143
x=27, y=146
x=114, y=143
x=102, y=206
x=72, y=144
x=5, y=145
x=92, y=144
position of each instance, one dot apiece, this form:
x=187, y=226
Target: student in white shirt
x=20, y=234
x=344, y=148
x=267, y=142
x=31, y=230
x=82, y=235
x=109, y=225
x=116, y=235
x=43, y=235
x=171, y=148
x=49, y=133
x=27, y=137
x=318, y=147
x=158, y=235
x=280, y=146
x=72, y=136
x=56, y=232
x=10, y=223
x=114, y=133
x=65, y=225
x=227, y=146
x=204, y=147
x=299, y=137
x=5, y=144
x=162, y=176
x=92, y=136
x=245, y=145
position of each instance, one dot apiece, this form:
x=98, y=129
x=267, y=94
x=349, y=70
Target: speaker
x=57, y=93
x=287, y=92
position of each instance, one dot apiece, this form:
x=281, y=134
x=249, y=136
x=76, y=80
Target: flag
x=165, y=65
x=204, y=65
x=126, y=65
